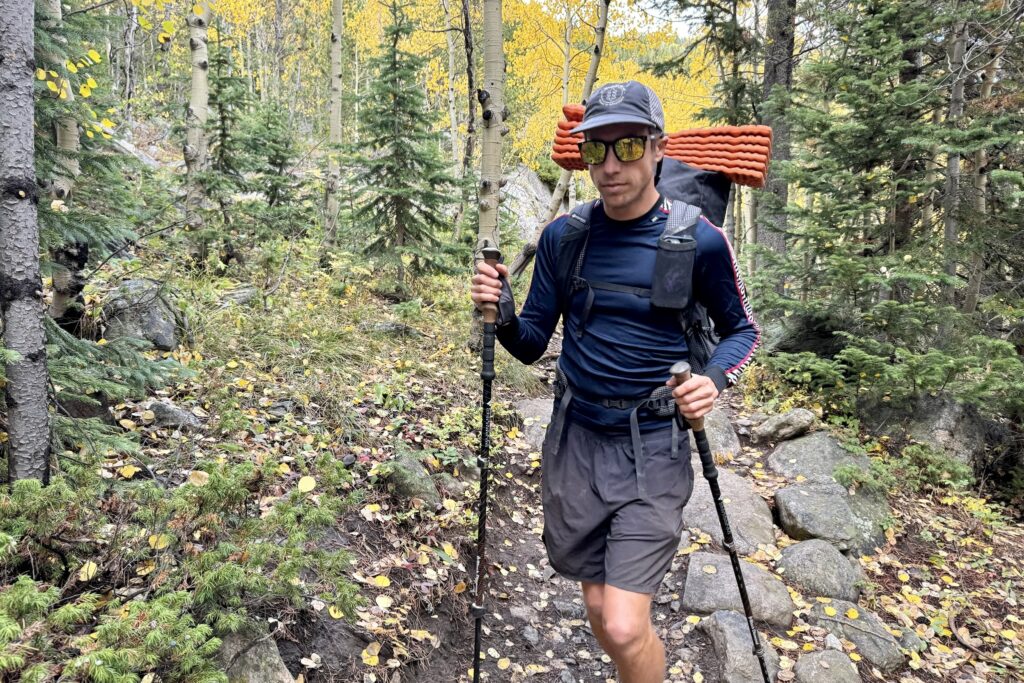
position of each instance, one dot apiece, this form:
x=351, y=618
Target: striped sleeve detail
x=733, y=373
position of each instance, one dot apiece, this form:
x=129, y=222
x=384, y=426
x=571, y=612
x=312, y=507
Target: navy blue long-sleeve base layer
x=627, y=347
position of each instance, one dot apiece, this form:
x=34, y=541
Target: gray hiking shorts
x=596, y=526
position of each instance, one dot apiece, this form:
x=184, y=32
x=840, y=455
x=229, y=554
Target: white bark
x=525, y=255
x=21, y=295
x=333, y=169
x=453, y=116
x=492, y=99
x=195, y=150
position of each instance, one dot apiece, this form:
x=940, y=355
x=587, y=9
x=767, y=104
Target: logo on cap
x=612, y=94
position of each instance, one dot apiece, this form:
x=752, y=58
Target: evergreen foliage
x=403, y=184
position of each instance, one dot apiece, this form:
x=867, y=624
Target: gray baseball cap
x=628, y=102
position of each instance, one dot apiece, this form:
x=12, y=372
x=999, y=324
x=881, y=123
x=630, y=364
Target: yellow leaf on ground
x=381, y=581
x=94, y=56
x=159, y=541
x=710, y=569
x=307, y=484
x=335, y=612
x=852, y=613
x=698, y=677
x=198, y=478
x=693, y=619
x=283, y=468
x=145, y=568
x=88, y=571
x=148, y=678
x=127, y=424
x=504, y=663
x=460, y=587
x=830, y=611
x=384, y=602
x=370, y=657
x=128, y=471
x=1009, y=634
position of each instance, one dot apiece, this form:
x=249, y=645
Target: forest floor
x=325, y=370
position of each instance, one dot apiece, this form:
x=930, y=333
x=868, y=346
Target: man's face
x=626, y=187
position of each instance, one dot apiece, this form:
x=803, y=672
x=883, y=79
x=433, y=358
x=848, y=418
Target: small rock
x=711, y=587
x=253, y=660
x=348, y=460
x=531, y=635
x=912, y=642
x=569, y=610
x=169, y=415
x=567, y=677
x=827, y=666
x=817, y=569
x=674, y=606
x=833, y=643
x=861, y=627
x=786, y=426
x=730, y=638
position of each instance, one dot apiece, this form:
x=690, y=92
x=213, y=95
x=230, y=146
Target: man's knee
x=626, y=632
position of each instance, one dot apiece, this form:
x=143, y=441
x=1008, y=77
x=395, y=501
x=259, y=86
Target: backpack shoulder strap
x=682, y=219
x=570, y=246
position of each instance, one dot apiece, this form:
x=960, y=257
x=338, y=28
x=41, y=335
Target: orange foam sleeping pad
x=741, y=153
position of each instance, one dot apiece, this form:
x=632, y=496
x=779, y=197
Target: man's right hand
x=486, y=285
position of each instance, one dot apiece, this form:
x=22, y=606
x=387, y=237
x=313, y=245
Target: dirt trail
x=535, y=618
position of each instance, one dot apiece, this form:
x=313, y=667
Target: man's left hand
x=695, y=397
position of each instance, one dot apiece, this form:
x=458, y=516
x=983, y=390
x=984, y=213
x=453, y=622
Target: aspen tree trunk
x=68, y=278
x=751, y=232
x=453, y=115
x=952, y=202
x=21, y=288
x=332, y=207
x=525, y=255
x=778, y=73
x=195, y=151
x=278, y=49
x=492, y=101
x=129, y=66
x=977, y=267
x=932, y=166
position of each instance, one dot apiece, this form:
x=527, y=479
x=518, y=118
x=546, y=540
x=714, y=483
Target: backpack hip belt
x=660, y=402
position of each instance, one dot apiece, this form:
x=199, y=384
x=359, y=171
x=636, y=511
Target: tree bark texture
x=195, y=151
x=492, y=102
x=332, y=207
x=21, y=295
x=453, y=113
x=525, y=255
x=952, y=200
x=778, y=73
x=980, y=175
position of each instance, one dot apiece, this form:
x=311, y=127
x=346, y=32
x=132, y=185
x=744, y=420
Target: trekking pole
x=681, y=371
x=490, y=315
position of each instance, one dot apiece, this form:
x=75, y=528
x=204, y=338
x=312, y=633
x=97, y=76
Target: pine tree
x=402, y=181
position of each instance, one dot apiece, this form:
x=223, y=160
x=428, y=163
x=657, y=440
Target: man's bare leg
x=621, y=621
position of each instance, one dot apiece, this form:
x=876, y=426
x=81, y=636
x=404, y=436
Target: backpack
x=680, y=227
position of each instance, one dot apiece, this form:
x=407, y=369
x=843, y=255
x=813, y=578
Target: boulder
x=749, y=516
x=140, y=309
x=711, y=586
x=817, y=569
x=862, y=628
x=789, y=425
x=526, y=198
x=725, y=445
x=409, y=479
x=850, y=522
x=730, y=639
x=940, y=422
x=815, y=457
x=827, y=666
x=536, y=414
x=252, y=659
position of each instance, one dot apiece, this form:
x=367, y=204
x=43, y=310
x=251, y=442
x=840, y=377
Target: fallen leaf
x=88, y=571
x=306, y=484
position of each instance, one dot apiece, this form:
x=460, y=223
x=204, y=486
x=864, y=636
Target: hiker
x=616, y=461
